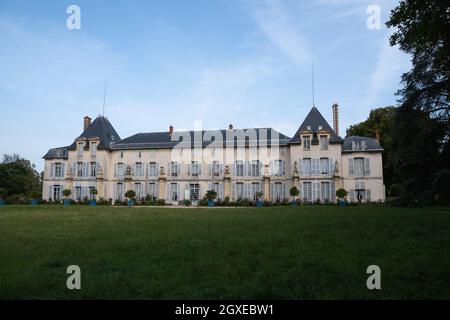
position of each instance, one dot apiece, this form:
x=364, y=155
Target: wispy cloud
x=278, y=25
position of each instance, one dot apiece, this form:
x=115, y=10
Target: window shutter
x=368, y=195
x=74, y=169
x=52, y=170
x=330, y=166
x=221, y=169
x=283, y=167
x=199, y=169
x=169, y=169
x=245, y=168
x=221, y=196
x=260, y=172
x=63, y=166
x=61, y=188
x=272, y=168
x=233, y=190
x=352, y=195
x=189, y=169
x=210, y=169
x=178, y=191
x=300, y=166
x=367, y=166
x=234, y=168
x=350, y=167
x=134, y=173
x=272, y=191
x=209, y=186
x=50, y=192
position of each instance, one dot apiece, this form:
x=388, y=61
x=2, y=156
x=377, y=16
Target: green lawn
x=309, y=252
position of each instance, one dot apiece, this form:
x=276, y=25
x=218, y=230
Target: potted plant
x=259, y=201
x=35, y=196
x=294, y=192
x=66, y=194
x=341, y=194
x=93, y=192
x=211, y=195
x=3, y=193
x=130, y=194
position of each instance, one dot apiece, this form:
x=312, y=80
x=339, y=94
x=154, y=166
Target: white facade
x=317, y=163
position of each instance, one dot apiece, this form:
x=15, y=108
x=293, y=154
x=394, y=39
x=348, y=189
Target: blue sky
x=176, y=62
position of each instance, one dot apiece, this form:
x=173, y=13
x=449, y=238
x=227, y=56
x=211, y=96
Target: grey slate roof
x=314, y=119
x=371, y=144
x=153, y=140
x=103, y=129
x=57, y=153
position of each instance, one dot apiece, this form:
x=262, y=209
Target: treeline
x=19, y=180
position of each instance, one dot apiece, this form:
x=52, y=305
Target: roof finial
x=312, y=80
x=104, y=99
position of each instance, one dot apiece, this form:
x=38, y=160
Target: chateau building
x=236, y=163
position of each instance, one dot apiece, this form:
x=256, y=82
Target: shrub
x=130, y=194
x=203, y=202
x=187, y=202
x=160, y=202
x=341, y=193
x=211, y=195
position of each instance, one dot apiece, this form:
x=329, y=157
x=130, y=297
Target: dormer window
x=359, y=146
x=80, y=146
x=306, y=143
x=308, y=127
x=93, y=149
x=323, y=142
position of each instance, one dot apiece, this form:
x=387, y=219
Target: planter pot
x=293, y=203
x=130, y=203
x=259, y=204
x=210, y=203
x=34, y=202
x=66, y=202
x=93, y=202
x=2, y=202
x=341, y=203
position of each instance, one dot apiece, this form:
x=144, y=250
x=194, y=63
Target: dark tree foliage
x=18, y=176
x=423, y=30
x=417, y=156
x=380, y=120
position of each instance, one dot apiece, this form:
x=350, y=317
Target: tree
x=381, y=123
x=18, y=176
x=422, y=30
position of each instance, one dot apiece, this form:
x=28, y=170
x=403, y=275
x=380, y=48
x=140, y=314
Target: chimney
x=86, y=122
x=230, y=126
x=377, y=135
x=170, y=130
x=336, y=118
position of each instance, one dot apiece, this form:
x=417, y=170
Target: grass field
x=310, y=252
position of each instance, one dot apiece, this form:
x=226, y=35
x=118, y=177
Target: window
x=254, y=168
x=325, y=194
x=78, y=193
x=278, y=168
x=91, y=196
x=215, y=168
x=138, y=190
x=216, y=187
x=173, y=192
x=278, y=191
x=307, y=191
x=138, y=169
x=195, y=169
x=358, y=145
x=139, y=154
x=79, y=169
x=306, y=143
x=94, y=169
x=121, y=154
x=93, y=149
x=120, y=170
x=152, y=190
x=239, y=190
x=119, y=192
x=153, y=169
x=57, y=192
x=174, y=169
x=325, y=166
x=58, y=169
x=239, y=168
x=194, y=191
x=80, y=146
x=255, y=188
x=323, y=142
x=359, y=166
x=306, y=163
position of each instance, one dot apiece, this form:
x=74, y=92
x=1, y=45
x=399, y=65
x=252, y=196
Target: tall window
x=57, y=192
x=325, y=194
x=78, y=193
x=307, y=191
x=194, y=191
x=153, y=169
x=173, y=192
x=239, y=168
x=306, y=143
x=174, y=169
x=138, y=169
x=93, y=149
x=278, y=168
x=80, y=146
x=79, y=169
x=94, y=169
x=215, y=168
x=138, y=190
x=58, y=169
x=323, y=142
x=119, y=192
x=152, y=190
x=306, y=163
x=239, y=191
x=254, y=168
x=195, y=169
x=255, y=188
x=216, y=187
x=120, y=169
x=324, y=166
x=278, y=191
x=359, y=166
